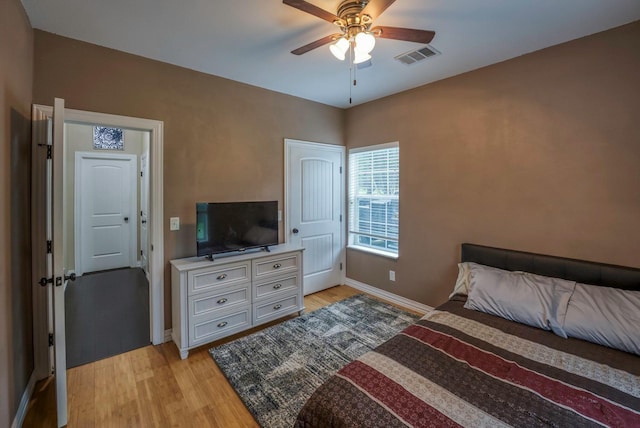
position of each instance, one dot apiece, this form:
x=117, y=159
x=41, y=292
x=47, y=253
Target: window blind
x=374, y=189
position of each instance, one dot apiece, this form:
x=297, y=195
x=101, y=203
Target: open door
x=55, y=270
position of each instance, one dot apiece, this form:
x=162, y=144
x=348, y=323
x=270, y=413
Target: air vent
x=417, y=55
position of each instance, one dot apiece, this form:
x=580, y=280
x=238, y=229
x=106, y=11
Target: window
x=374, y=190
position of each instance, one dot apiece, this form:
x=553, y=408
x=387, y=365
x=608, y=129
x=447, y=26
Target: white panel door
x=106, y=205
x=314, y=210
x=56, y=273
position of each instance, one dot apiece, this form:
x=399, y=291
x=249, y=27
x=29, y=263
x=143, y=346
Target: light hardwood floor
x=152, y=387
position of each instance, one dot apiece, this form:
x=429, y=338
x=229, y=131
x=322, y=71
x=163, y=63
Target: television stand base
x=266, y=248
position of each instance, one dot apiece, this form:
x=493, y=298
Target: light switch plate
x=174, y=223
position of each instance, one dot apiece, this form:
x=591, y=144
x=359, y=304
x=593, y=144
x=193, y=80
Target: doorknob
x=144, y=221
x=126, y=219
x=71, y=277
x=295, y=230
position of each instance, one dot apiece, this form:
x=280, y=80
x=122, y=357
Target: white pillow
x=604, y=315
x=535, y=300
x=462, y=282
x=463, y=285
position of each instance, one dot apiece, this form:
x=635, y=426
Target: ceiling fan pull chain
x=350, y=69
x=355, y=75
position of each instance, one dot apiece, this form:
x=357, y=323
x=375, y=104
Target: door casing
x=155, y=222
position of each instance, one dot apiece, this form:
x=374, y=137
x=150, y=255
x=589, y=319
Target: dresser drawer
x=209, y=327
x=207, y=279
x=263, y=312
x=219, y=300
x=285, y=285
x=268, y=267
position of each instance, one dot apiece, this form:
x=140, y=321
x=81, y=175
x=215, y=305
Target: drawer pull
x=276, y=307
x=277, y=266
x=222, y=324
x=275, y=287
x=221, y=277
x=221, y=301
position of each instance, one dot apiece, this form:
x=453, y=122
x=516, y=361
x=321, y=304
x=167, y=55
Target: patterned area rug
x=277, y=369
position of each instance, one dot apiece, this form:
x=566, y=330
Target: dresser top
x=224, y=258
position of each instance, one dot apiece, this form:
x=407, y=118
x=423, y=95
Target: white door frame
x=288, y=144
x=156, y=237
x=133, y=201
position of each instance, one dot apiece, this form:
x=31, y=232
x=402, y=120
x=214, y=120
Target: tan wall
x=79, y=138
x=16, y=315
x=540, y=153
x=223, y=140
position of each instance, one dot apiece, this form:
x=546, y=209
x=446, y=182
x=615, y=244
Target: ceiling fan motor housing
x=352, y=21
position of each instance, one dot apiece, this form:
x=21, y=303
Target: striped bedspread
x=457, y=367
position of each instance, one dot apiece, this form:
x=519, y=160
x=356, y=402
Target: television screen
x=235, y=226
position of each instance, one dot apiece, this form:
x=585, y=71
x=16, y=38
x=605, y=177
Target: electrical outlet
x=174, y=223
x=279, y=215
x=392, y=275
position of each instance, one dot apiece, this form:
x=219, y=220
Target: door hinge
x=49, y=152
x=140, y=252
x=340, y=218
x=49, y=247
x=50, y=339
x=140, y=213
x=140, y=173
x=340, y=170
x=340, y=265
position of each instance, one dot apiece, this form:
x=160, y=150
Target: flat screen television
x=223, y=227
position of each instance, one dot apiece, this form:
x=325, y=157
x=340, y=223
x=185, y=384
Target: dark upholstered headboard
x=558, y=267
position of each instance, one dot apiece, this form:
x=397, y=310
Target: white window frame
x=353, y=216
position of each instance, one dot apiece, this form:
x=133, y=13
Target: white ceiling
x=250, y=41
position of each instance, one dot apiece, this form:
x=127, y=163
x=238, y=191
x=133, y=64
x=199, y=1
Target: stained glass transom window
x=105, y=138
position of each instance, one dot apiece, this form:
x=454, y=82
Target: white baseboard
x=394, y=298
x=24, y=402
x=167, y=335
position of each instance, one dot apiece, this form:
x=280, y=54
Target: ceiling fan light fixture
x=360, y=56
x=339, y=48
x=365, y=42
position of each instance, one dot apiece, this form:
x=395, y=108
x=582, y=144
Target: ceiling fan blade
x=320, y=42
x=376, y=7
x=312, y=9
x=407, y=34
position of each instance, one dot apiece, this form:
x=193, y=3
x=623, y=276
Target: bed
x=462, y=367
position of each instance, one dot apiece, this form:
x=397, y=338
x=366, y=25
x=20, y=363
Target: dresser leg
x=184, y=355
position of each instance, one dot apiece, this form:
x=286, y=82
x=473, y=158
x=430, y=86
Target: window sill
x=373, y=251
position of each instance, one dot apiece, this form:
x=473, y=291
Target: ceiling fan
x=355, y=19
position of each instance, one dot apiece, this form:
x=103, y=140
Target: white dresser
x=214, y=299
